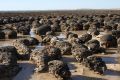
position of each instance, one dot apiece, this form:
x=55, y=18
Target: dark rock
x=64, y=46
x=2, y=35
x=8, y=62
x=86, y=37
x=59, y=69
x=96, y=64
x=80, y=52
x=43, y=29
x=41, y=57
x=23, y=50
x=10, y=34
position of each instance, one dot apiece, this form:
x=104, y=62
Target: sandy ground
x=78, y=71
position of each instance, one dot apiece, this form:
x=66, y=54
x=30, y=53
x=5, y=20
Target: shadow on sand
x=81, y=77
x=110, y=60
x=112, y=72
x=26, y=72
x=70, y=60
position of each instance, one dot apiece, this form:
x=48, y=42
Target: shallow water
x=32, y=33
x=39, y=46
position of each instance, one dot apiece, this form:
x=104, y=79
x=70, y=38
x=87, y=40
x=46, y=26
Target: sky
x=16, y=5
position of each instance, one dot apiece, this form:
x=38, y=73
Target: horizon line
x=60, y=9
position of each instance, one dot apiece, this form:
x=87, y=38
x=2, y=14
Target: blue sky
x=57, y=4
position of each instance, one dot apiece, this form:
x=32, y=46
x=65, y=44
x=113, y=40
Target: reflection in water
x=32, y=33
x=39, y=46
x=61, y=37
